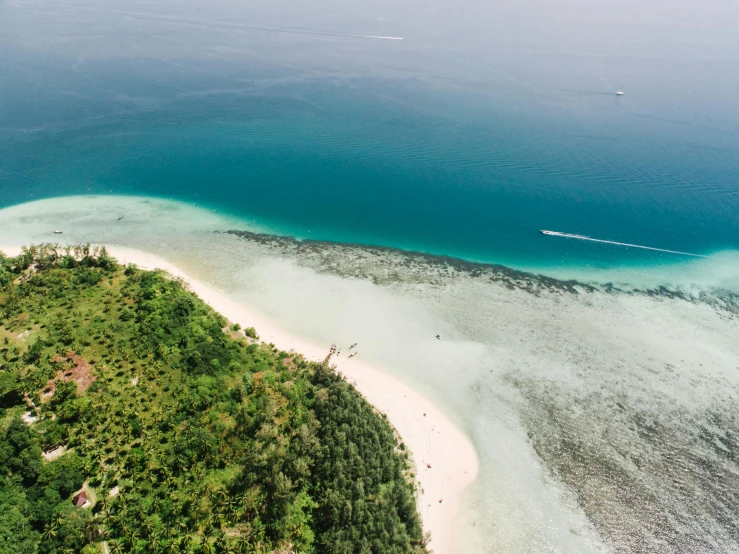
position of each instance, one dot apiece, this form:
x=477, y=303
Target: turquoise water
x=487, y=123
x=398, y=143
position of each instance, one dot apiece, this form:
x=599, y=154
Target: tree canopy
x=186, y=434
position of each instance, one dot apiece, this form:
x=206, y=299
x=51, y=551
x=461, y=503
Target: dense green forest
x=185, y=434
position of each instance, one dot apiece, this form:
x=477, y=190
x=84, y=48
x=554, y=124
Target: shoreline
x=716, y=270
x=432, y=439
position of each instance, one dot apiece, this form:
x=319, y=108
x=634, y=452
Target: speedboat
x=619, y=93
x=57, y=232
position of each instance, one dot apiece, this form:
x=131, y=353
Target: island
x=134, y=418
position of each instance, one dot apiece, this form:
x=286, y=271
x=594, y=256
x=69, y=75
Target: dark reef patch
x=384, y=265
x=651, y=478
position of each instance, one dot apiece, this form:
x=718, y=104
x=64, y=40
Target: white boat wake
x=370, y=36
x=583, y=237
x=267, y=28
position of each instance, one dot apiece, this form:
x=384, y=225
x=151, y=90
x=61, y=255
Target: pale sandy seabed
x=604, y=417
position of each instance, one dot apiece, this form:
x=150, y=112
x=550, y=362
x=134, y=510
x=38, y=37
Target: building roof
x=80, y=499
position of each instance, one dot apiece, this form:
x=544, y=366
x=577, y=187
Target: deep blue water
x=399, y=143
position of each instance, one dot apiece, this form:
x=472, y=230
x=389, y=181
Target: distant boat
x=619, y=93
x=57, y=232
x=120, y=217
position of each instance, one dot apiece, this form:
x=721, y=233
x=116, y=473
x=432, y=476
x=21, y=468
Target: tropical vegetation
x=185, y=433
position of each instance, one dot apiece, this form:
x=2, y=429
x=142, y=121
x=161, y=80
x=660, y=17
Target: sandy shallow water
x=602, y=416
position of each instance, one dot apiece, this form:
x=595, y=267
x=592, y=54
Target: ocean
x=598, y=382
x=371, y=142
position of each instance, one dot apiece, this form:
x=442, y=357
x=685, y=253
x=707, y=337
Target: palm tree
x=208, y=523
x=148, y=527
x=112, y=518
x=243, y=545
x=132, y=538
x=155, y=544
x=231, y=504
x=50, y=532
x=222, y=543
x=104, y=503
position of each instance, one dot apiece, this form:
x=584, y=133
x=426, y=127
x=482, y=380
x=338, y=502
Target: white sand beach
x=445, y=459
